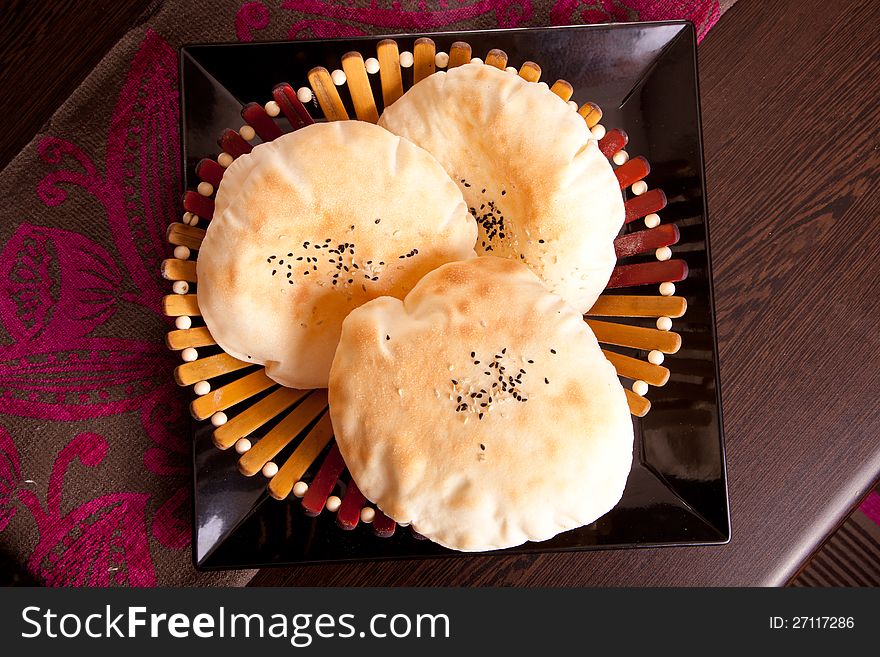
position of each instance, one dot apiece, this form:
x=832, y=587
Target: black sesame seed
x=540, y=241
x=552, y=351
x=378, y=220
x=484, y=191
x=387, y=337
x=482, y=446
x=546, y=380
x=273, y=271
x=454, y=382
x=481, y=417
x=503, y=192
x=473, y=353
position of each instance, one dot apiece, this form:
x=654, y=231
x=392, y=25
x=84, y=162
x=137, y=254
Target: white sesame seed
x=242, y=445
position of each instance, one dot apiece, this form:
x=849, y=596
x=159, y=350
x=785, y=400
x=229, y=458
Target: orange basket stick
x=231, y=394
x=252, y=418
x=283, y=433
x=389, y=71
x=328, y=97
x=530, y=72
x=459, y=54
x=302, y=458
x=359, y=87
x=496, y=58
x=423, y=59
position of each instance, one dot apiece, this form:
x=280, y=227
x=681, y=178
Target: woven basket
x=286, y=434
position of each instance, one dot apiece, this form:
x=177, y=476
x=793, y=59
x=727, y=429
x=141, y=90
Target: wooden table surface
x=790, y=116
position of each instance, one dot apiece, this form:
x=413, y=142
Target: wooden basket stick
x=459, y=54
x=359, y=87
x=327, y=95
x=281, y=434
x=192, y=337
x=637, y=337
x=303, y=457
x=207, y=368
x=230, y=394
x=609, y=305
x=389, y=71
x=173, y=269
x=635, y=369
x=423, y=59
x=252, y=418
x=177, y=305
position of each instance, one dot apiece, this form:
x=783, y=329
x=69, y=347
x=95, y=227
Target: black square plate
x=644, y=76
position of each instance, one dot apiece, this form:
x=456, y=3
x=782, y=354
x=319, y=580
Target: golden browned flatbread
x=530, y=170
x=311, y=226
x=480, y=409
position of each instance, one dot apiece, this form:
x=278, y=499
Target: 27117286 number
x=812, y=623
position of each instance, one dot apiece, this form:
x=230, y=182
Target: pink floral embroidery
x=57, y=288
x=703, y=13
x=341, y=20
x=102, y=542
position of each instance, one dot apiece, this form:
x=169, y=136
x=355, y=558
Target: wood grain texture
x=797, y=312
x=42, y=49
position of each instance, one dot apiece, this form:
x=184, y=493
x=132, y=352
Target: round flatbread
x=314, y=224
x=530, y=170
x=480, y=409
